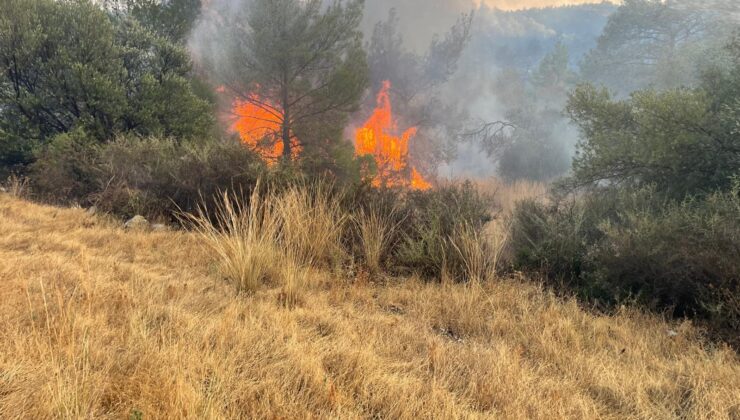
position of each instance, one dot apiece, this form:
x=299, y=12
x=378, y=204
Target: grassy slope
x=99, y=322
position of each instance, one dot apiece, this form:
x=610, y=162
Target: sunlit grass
x=97, y=322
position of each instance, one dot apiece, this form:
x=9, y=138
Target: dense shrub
x=69, y=65
x=684, y=142
x=161, y=176
x=66, y=170
x=619, y=245
x=686, y=257
x=153, y=177
x=422, y=226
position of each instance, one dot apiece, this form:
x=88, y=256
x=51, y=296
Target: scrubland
x=100, y=322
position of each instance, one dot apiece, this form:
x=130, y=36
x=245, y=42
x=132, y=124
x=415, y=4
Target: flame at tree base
x=378, y=138
x=259, y=124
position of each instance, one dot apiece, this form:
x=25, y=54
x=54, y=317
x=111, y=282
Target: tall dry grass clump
x=375, y=233
x=507, y=194
x=480, y=250
x=273, y=237
x=244, y=236
x=16, y=186
x=312, y=222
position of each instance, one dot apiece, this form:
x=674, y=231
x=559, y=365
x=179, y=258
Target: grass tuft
x=375, y=233
x=243, y=236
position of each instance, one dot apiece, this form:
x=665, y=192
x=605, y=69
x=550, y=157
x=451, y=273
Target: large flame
x=259, y=125
x=380, y=138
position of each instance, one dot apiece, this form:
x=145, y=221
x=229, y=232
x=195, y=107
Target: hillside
x=100, y=322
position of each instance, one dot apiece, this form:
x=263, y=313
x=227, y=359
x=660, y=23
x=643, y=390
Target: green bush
x=162, y=176
x=685, y=257
x=611, y=246
x=65, y=171
x=76, y=66
x=423, y=223
x=153, y=177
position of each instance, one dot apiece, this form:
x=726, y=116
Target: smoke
x=421, y=19
x=504, y=38
x=511, y=5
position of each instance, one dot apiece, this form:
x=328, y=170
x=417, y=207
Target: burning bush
x=380, y=138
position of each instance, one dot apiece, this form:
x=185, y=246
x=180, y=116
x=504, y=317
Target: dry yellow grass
x=507, y=194
x=375, y=233
x=98, y=322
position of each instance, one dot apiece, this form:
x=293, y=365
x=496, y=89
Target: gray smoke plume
x=497, y=77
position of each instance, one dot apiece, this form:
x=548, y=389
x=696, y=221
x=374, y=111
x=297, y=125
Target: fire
x=418, y=182
x=259, y=124
x=379, y=137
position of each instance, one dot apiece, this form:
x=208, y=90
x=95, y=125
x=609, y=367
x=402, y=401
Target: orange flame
x=378, y=137
x=259, y=124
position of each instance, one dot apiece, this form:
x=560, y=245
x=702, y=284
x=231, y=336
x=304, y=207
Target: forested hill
x=522, y=38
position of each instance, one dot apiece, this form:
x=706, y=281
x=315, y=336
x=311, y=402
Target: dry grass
x=98, y=322
x=244, y=237
x=480, y=252
x=16, y=186
x=312, y=223
x=375, y=234
x=507, y=194
x=271, y=238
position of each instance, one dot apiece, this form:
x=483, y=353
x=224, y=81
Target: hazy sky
x=521, y=4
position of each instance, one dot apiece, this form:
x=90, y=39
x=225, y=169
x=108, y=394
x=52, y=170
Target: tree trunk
x=287, y=146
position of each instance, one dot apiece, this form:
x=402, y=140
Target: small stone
x=91, y=211
x=137, y=223
x=159, y=227
x=672, y=333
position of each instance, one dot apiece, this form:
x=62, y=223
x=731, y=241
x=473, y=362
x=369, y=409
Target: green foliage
x=154, y=177
x=555, y=238
x=161, y=99
x=334, y=160
x=433, y=218
x=423, y=225
x=171, y=19
x=686, y=257
x=59, y=69
x=66, y=65
x=161, y=176
x=683, y=141
x=621, y=245
x=66, y=169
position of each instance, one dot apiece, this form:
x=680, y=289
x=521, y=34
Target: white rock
x=159, y=227
x=137, y=223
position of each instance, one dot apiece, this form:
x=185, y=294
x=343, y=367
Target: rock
x=672, y=333
x=91, y=211
x=159, y=227
x=137, y=223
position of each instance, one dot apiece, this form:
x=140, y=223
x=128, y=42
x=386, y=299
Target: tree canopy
x=683, y=141
x=300, y=62
x=67, y=65
x=653, y=43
